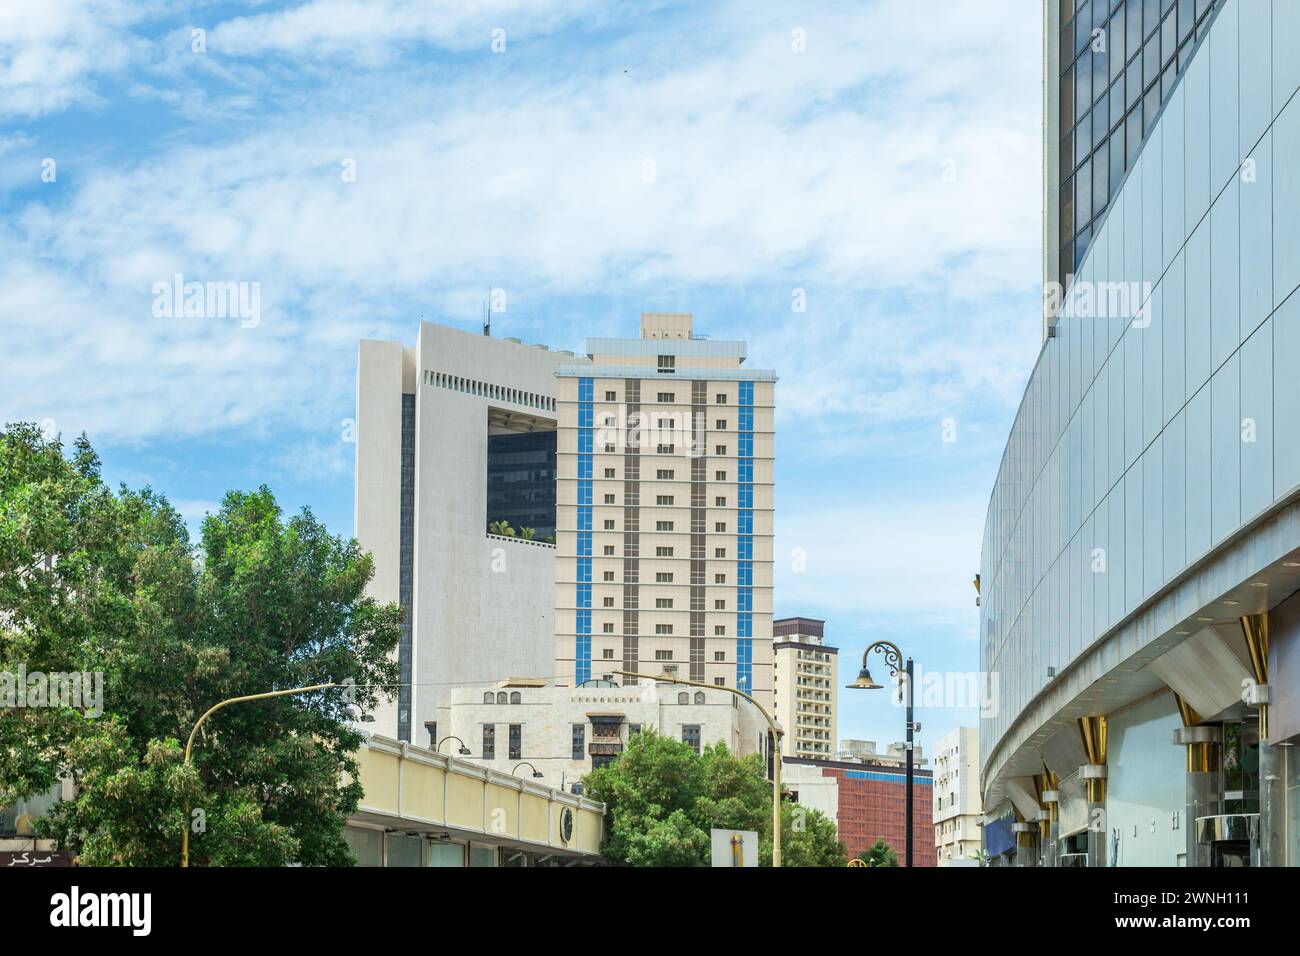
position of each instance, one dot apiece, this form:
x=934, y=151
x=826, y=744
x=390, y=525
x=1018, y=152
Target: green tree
x=662, y=799
x=96, y=580
x=879, y=853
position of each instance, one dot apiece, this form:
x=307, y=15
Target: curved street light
x=189, y=745
x=525, y=763
x=464, y=751
x=777, y=733
x=893, y=660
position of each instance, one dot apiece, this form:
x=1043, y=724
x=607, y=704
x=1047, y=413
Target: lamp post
x=525, y=763
x=893, y=657
x=189, y=745
x=464, y=751
x=777, y=733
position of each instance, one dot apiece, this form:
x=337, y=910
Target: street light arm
x=890, y=651
x=189, y=745
x=776, y=747
x=775, y=727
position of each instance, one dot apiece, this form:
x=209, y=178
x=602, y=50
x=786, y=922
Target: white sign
x=734, y=847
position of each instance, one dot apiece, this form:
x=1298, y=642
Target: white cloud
x=825, y=167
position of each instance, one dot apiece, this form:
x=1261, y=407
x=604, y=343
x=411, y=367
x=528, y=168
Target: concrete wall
x=1147, y=784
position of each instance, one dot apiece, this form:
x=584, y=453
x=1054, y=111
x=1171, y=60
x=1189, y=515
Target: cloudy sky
x=372, y=162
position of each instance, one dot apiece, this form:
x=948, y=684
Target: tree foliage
x=879, y=853
x=662, y=799
x=93, y=580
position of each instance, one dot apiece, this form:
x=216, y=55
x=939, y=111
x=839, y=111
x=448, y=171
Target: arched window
x=487, y=697
x=683, y=698
x=501, y=697
x=515, y=698
x=699, y=697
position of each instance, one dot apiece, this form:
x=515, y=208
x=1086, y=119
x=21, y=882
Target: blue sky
x=609, y=158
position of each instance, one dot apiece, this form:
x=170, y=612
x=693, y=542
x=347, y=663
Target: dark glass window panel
x=1100, y=172
x=1083, y=192
x=1150, y=16
x=1167, y=81
x=1081, y=242
x=1067, y=154
x=1169, y=38
x=1133, y=81
x=1067, y=208
x=1082, y=25
x=1067, y=47
x=1150, y=109
x=1203, y=7
x=1100, y=121
x=1186, y=19
x=1184, y=55
x=1116, y=158
x=1100, y=70
x=1133, y=35
x=1067, y=260
x=1117, y=101
x=1150, y=62
x=1115, y=44
x=1067, y=11
x=1133, y=136
x=1067, y=98
x=1083, y=85
x=1082, y=141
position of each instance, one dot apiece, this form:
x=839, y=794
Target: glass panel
x=1083, y=84
x=1083, y=24
x=446, y=854
x=1167, y=81
x=1116, y=161
x=1100, y=121
x=1083, y=192
x=1117, y=101
x=1067, y=154
x=1100, y=170
x=1133, y=35
x=368, y=845
x=1133, y=81
x=1169, y=38
x=1082, y=140
x=1150, y=61
x=1067, y=208
x=1150, y=16
x=1150, y=109
x=1133, y=134
x=1067, y=97
x=404, y=850
x=1115, y=44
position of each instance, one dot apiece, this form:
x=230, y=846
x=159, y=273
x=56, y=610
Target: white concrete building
x=804, y=687
x=664, y=510
x=894, y=755
x=452, y=435
x=529, y=727
x=957, y=809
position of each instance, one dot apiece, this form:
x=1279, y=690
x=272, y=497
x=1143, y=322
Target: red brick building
x=872, y=804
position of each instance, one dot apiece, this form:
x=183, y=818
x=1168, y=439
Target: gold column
x=1255, y=628
x=1092, y=731
x=1202, y=755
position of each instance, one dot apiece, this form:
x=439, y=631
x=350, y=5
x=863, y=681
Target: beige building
x=453, y=435
x=557, y=734
x=422, y=808
x=957, y=809
x=664, y=510
x=894, y=755
x=804, y=687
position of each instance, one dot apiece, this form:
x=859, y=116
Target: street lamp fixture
x=893, y=659
x=463, y=751
x=525, y=763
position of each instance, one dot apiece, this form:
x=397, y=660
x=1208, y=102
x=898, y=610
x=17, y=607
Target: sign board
x=734, y=847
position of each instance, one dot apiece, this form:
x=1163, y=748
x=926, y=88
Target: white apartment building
x=556, y=734
x=664, y=510
x=453, y=435
x=956, y=811
x=804, y=687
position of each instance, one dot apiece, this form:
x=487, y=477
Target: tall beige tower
x=804, y=682
x=664, y=510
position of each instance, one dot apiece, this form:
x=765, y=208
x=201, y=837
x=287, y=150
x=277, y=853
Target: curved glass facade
x=1163, y=414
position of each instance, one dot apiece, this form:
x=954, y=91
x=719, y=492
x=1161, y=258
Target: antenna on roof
x=487, y=314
